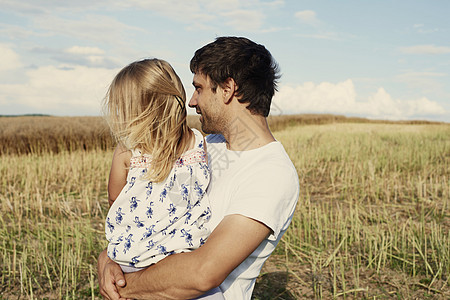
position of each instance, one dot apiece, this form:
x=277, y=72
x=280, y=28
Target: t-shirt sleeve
x=268, y=194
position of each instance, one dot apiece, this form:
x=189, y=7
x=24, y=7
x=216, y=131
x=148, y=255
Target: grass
x=51, y=223
x=28, y=134
x=43, y=134
x=372, y=220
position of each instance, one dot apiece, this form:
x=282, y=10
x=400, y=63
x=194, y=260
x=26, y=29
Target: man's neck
x=246, y=132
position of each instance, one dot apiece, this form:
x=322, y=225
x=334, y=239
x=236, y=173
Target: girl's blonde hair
x=146, y=109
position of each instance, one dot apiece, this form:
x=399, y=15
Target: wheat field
x=372, y=220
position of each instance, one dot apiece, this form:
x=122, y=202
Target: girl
x=159, y=173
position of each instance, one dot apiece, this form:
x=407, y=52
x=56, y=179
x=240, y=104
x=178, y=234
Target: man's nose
x=193, y=101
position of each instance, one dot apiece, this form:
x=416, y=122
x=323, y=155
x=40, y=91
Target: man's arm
x=188, y=275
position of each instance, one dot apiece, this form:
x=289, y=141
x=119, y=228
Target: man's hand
x=110, y=276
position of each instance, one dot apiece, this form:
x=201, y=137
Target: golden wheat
x=42, y=134
x=372, y=220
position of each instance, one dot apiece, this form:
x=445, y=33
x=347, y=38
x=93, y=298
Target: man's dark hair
x=250, y=65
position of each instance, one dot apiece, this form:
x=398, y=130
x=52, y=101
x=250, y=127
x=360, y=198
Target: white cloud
x=60, y=90
x=424, y=107
x=341, y=98
x=76, y=55
x=422, y=74
x=92, y=28
x=427, y=82
x=421, y=28
x=425, y=49
x=57, y=19
x=307, y=16
x=218, y=5
x=87, y=56
x=322, y=36
x=320, y=30
x=84, y=50
x=195, y=11
x=240, y=19
x=14, y=32
x=10, y=60
x=37, y=7
x=211, y=14
x=271, y=4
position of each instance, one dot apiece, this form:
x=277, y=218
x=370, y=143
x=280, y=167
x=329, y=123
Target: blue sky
x=375, y=59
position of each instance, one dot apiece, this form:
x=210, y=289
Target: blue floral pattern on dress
x=119, y=216
x=149, y=221
x=133, y=203
x=149, y=189
x=149, y=211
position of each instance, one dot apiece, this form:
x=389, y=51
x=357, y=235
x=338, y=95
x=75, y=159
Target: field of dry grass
x=372, y=220
x=43, y=134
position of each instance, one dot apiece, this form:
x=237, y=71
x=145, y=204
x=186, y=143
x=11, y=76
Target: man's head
x=250, y=65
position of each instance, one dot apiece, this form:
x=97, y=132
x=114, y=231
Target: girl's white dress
x=149, y=221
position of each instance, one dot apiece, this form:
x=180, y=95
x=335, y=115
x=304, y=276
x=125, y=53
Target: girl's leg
x=214, y=294
x=128, y=269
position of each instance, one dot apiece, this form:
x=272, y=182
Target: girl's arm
x=118, y=173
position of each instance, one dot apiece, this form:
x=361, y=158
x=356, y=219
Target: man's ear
x=229, y=88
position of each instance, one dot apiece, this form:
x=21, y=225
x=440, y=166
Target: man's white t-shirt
x=261, y=184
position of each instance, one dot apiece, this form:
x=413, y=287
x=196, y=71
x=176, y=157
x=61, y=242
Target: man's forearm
x=191, y=274
x=175, y=277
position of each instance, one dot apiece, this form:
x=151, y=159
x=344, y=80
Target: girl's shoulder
x=195, y=155
x=139, y=159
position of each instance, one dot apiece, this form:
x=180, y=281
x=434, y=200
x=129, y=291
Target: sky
x=374, y=59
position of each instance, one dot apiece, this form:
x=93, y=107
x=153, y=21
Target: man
x=253, y=190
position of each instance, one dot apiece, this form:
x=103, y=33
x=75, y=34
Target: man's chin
x=206, y=129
